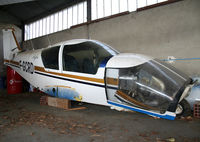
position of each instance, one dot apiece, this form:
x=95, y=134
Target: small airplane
x=93, y=72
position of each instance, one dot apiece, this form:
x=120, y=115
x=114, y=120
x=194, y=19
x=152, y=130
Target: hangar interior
x=171, y=29
x=166, y=29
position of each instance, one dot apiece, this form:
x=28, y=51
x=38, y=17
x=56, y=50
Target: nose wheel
x=183, y=109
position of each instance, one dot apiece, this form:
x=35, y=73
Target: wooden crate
x=63, y=103
x=60, y=103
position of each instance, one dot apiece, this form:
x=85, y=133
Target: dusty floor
x=23, y=119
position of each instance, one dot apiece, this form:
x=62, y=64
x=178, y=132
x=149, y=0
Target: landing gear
x=183, y=109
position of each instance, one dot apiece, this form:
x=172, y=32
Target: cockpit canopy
x=83, y=57
x=152, y=85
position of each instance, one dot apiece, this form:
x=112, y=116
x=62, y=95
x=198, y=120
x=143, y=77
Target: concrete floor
x=23, y=119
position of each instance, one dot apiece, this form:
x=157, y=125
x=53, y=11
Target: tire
x=186, y=109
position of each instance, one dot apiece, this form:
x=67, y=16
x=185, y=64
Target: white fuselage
x=101, y=86
x=90, y=87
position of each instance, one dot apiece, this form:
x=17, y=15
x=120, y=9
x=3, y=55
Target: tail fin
x=10, y=43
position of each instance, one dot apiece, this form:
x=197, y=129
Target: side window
x=50, y=57
x=84, y=57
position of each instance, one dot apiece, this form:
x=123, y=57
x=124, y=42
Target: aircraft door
x=112, y=83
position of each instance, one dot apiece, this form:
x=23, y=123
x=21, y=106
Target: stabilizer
x=10, y=44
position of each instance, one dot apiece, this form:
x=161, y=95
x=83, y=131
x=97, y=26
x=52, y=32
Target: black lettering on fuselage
x=27, y=67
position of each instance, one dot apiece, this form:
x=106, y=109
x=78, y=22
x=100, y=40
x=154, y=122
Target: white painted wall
x=169, y=30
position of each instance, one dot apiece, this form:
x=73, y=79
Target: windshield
x=152, y=85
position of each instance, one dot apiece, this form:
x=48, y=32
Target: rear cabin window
x=85, y=57
x=50, y=57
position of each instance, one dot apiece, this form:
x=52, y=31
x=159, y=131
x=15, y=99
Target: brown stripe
x=12, y=62
x=70, y=76
x=130, y=99
x=62, y=86
x=112, y=81
x=6, y=61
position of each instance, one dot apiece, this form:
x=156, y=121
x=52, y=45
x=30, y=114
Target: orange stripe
x=58, y=86
x=132, y=100
x=6, y=61
x=70, y=76
x=13, y=62
x=112, y=81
